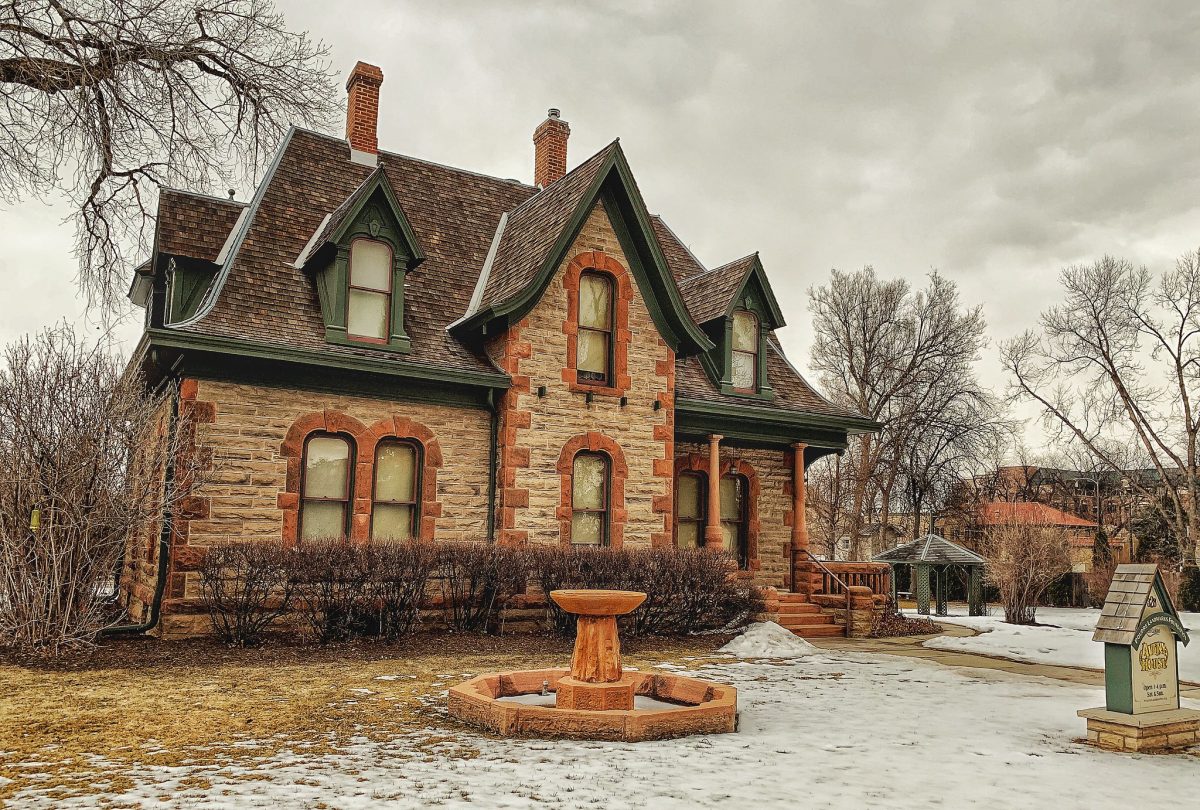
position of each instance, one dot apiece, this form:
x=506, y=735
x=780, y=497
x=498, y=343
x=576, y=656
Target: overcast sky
x=996, y=142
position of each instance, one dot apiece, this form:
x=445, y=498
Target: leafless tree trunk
x=1119, y=360
x=901, y=357
x=82, y=447
x=105, y=100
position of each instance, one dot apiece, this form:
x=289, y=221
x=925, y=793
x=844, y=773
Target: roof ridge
x=202, y=194
x=506, y=180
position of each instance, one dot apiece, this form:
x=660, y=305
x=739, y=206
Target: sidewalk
x=911, y=647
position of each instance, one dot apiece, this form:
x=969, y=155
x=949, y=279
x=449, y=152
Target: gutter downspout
x=164, y=535
x=494, y=431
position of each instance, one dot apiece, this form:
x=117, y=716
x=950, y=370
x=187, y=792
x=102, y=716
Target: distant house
x=1081, y=533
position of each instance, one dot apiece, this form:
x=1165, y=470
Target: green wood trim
x=235, y=347
x=273, y=374
x=187, y=281
x=1118, y=679
x=616, y=180
x=734, y=412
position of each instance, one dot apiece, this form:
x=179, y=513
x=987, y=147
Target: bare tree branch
x=105, y=100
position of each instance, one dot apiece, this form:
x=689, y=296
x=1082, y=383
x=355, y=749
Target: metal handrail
x=835, y=578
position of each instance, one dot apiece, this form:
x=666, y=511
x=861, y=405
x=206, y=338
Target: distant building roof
x=932, y=549
x=1031, y=513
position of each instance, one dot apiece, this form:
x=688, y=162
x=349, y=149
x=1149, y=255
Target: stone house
x=377, y=346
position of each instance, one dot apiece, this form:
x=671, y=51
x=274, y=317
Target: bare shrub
x=477, y=582
x=890, y=623
x=245, y=587
x=1022, y=562
x=86, y=447
x=398, y=574
x=330, y=578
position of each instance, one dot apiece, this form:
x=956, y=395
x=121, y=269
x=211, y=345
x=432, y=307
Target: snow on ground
x=1064, y=636
x=768, y=640
x=834, y=730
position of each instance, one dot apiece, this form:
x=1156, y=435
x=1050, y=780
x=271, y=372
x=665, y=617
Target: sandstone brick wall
x=241, y=430
x=139, y=573
x=773, y=470
x=535, y=430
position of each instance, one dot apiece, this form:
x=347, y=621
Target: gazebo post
x=975, y=591
x=943, y=580
x=921, y=587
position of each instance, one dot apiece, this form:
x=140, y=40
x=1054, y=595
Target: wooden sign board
x=1140, y=629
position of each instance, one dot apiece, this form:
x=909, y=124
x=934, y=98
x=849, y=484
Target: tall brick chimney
x=550, y=149
x=362, y=107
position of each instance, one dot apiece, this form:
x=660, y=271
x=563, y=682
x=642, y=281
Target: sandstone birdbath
x=595, y=699
x=596, y=681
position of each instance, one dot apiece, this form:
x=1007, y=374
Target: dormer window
x=369, y=304
x=744, y=351
x=593, y=352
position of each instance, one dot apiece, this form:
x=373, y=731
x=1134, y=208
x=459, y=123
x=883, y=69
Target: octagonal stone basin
x=595, y=699
x=696, y=707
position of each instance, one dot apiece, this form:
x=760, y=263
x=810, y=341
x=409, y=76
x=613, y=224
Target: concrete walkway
x=912, y=647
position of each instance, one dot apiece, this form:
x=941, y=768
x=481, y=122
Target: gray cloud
x=996, y=142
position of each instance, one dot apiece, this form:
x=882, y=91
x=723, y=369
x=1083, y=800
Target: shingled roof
x=932, y=549
x=1030, y=513
x=1126, y=603
x=194, y=225
x=534, y=227
x=261, y=296
x=707, y=295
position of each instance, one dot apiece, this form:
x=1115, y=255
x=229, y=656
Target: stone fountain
x=595, y=699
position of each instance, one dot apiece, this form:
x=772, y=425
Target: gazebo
x=937, y=554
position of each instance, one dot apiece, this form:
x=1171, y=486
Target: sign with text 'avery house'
x=1140, y=629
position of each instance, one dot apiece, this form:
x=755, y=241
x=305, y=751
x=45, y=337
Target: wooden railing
x=835, y=576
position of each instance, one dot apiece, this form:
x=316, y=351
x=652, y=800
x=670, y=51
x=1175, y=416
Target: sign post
x=1141, y=631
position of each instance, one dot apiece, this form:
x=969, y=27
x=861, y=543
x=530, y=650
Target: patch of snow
x=536, y=699
x=1062, y=637
x=768, y=640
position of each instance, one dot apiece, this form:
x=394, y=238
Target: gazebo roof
x=931, y=549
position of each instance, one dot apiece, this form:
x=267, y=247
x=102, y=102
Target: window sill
x=397, y=344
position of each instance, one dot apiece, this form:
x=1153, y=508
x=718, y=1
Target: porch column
x=799, y=563
x=712, y=527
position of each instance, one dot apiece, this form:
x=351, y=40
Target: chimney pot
x=362, y=107
x=550, y=149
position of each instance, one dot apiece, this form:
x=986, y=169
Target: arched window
x=733, y=517
x=325, y=487
x=690, y=491
x=369, y=303
x=589, y=499
x=394, y=512
x=744, y=351
x=594, y=344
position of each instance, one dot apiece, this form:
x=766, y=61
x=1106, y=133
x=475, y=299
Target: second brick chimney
x=550, y=149
x=362, y=107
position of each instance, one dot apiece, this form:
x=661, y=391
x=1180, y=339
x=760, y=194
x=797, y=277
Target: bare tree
x=1119, y=359
x=1023, y=560
x=105, y=100
x=83, y=447
x=898, y=356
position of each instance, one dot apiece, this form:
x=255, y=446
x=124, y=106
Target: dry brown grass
x=163, y=703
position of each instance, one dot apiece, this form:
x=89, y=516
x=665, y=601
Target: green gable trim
x=615, y=189
x=373, y=213
x=237, y=348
